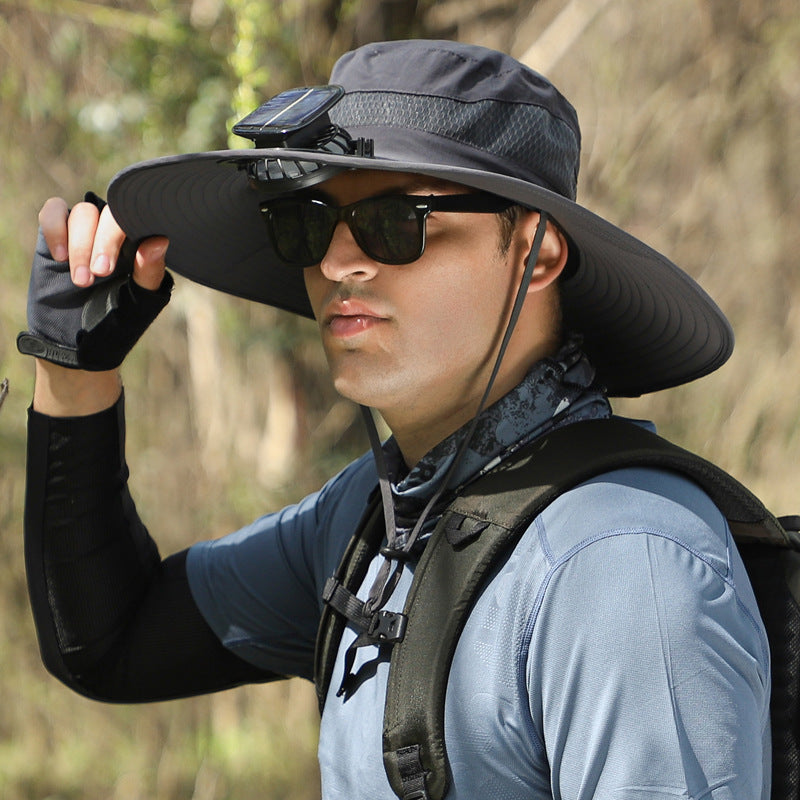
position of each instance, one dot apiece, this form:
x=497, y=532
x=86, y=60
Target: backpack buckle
x=387, y=626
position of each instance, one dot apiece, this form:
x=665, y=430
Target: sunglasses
x=389, y=228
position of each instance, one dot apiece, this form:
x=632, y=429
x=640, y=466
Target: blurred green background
x=691, y=129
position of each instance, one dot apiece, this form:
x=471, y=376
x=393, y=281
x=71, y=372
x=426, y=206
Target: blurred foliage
x=689, y=113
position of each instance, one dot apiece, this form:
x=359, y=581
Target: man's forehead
x=364, y=183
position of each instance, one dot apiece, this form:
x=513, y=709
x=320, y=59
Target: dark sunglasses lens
x=301, y=230
x=388, y=229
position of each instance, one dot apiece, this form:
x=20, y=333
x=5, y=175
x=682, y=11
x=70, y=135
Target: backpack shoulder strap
x=478, y=530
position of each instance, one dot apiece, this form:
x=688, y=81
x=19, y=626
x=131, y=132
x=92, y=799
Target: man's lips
x=344, y=318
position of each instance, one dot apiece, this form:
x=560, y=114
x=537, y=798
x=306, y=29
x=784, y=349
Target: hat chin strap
x=386, y=579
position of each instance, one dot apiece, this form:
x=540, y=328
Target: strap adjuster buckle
x=387, y=626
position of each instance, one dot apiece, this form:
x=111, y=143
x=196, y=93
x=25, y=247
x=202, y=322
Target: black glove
x=92, y=328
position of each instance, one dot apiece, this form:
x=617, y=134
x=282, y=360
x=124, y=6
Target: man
x=426, y=217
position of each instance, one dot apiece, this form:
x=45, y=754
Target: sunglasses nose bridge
x=345, y=258
x=354, y=221
x=346, y=215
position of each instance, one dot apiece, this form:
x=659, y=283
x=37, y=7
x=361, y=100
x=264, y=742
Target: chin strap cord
x=396, y=552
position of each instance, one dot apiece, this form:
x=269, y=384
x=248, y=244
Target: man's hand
x=89, y=238
x=90, y=299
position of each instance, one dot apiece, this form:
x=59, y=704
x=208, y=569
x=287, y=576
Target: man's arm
x=62, y=392
x=114, y=621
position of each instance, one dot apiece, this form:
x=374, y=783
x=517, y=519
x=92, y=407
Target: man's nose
x=345, y=260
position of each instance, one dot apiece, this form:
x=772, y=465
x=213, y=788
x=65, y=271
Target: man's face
x=415, y=341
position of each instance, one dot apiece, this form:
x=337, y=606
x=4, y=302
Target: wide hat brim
x=645, y=323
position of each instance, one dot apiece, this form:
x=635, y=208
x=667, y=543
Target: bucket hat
x=460, y=113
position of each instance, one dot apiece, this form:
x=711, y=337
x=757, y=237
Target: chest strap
x=381, y=628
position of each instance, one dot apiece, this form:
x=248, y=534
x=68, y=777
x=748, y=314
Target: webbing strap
x=412, y=773
x=377, y=627
x=341, y=599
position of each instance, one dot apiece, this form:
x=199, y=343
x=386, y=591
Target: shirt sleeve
x=648, y=668
x=260, y=588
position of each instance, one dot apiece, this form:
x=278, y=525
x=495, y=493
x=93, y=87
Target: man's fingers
x=150, y=266
x=53, y=222
x=91, y=241
x=107, y=242
x=81, y=228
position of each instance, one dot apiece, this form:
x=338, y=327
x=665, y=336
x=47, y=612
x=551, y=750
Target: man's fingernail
x=102, y=265
x=60, y=253
x=158, y=250
x=82, y=276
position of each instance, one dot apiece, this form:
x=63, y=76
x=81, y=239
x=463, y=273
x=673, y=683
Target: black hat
x=461, y=113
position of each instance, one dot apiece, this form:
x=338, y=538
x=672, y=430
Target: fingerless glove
x=90, y=328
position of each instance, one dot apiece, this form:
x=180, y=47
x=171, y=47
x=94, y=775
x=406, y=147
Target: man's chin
x=366, y=389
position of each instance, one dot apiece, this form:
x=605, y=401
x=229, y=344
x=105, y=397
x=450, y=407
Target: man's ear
x=553, y=253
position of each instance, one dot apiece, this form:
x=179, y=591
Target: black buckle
x=387, y=626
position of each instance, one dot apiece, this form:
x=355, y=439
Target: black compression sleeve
x=168, y=650
x=114, y=621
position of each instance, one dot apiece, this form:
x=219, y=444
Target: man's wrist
x=63, y=392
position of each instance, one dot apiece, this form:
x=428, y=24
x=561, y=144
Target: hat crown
x=461, y=105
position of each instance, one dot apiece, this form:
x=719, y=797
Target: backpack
x=480, y=528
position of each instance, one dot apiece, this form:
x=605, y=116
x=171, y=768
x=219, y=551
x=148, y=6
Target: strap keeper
x=329, y=589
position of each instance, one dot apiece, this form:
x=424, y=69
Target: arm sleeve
x=114, y=621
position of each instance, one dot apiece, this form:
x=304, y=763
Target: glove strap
x=30, y=344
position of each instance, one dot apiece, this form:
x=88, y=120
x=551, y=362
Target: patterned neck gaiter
x=557, y=391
